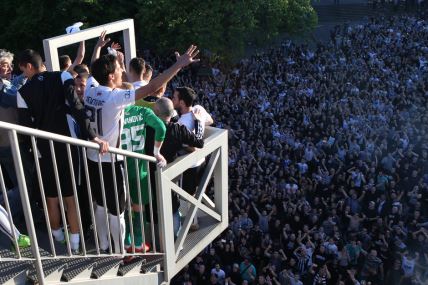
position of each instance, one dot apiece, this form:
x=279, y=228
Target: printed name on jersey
x=94, y=102
x=133, y=119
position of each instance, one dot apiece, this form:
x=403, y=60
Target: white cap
x=74, y=28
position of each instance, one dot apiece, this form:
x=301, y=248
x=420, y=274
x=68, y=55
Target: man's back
x=176, y=135
x=188, y=119
x=43, y=97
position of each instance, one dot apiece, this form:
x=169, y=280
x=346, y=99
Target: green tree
x=223, y=27
x=27, y=23
x=220, y=26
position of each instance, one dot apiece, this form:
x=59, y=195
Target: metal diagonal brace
x=193, y=201
x=199, y=194
x=208, y=201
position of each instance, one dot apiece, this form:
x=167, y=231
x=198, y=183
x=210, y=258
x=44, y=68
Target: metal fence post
x=166, y=232
x=14, y=144
x=221, y=182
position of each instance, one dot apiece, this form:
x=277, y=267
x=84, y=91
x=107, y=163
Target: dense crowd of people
x=328, y=160
x=328, y=152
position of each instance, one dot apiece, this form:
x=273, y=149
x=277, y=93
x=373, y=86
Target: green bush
x=222, y=27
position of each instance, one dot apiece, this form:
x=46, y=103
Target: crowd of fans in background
x=328, y=160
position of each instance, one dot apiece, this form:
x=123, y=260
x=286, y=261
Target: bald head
x=164, y=108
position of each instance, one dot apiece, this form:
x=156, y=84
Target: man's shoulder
x=137, y=110
x=175, y=126
x=199, y=107
x=133, y=108
x=49, y=75
x=46, y=77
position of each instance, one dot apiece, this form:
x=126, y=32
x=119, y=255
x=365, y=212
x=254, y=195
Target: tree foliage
x=222, y=27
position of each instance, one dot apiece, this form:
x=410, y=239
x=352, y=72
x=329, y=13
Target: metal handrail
x=69, y=140
x=215, y=146
x=13, y=131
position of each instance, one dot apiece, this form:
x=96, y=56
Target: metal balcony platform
x=48, y=262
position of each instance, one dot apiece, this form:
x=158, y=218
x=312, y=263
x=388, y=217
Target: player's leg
x=116, y=216
x=101, y=219
x=73, y=222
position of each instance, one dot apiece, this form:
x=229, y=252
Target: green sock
x=138, y=234
x=128, y=240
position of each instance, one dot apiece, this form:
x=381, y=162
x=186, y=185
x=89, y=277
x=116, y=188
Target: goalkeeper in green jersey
x=133, y=139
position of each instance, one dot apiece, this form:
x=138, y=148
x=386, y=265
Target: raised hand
x=115, y=46
x=102, y=41
x=188, y=57
x=120, y=58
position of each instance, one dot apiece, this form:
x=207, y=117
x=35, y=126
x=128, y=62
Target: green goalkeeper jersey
x=133, y=139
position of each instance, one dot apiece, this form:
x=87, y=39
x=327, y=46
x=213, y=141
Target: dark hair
x=148, y=67
x=103, y=67
x=32, y=57
x=81, y=68
x=187, y=95
x=63, y=61
x=137, y=64
x=83, y=75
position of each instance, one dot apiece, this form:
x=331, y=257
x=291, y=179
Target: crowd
x=328, y=160
x=328, y=152
x=97, y=104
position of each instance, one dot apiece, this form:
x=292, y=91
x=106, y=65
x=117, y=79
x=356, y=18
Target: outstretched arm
x=156, y=83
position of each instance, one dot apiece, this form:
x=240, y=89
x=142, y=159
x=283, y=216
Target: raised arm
x=102, y=41
x=156, y=83
x=79, y=56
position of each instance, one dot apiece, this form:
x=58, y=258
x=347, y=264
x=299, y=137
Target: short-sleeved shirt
x=149, y=101
x=105, y=109
x=133, y=138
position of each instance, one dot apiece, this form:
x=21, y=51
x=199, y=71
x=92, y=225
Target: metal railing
x=177, y=253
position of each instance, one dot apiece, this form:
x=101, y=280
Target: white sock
x=101, y=222
x=58, y=234
x=5, y=226
x=75, y=241
x=117, y=230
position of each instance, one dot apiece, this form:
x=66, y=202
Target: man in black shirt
x=176, y=135
x=47, y=102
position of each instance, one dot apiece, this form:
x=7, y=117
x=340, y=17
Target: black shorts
x=63, y=166
x=108, y=185
x=191, y=178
